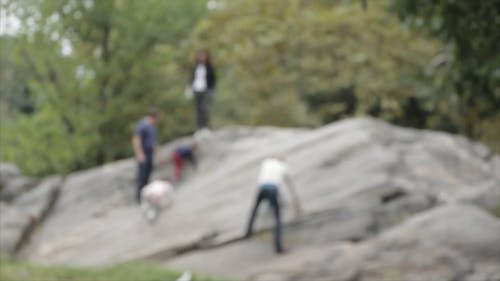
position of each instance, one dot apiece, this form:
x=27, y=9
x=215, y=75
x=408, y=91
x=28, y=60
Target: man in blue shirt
x=144, y=142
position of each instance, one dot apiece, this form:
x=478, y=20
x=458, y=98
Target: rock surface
x=446, y=243
x=19, y=218
x=14, y=223
x=8, y=172
x=372, y=193
x=40, y=199
x=12, y=183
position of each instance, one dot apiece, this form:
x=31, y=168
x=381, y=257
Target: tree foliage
x=470, y=88
x=311, y=62
x=94, y=68
x=79, y=74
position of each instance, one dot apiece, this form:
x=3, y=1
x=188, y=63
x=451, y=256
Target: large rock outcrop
x=447, y=243
x=19, y=218
x=379, y=200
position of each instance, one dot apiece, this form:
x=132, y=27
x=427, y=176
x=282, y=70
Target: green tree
x=93, y=68
x=470, y=88
x=14, y=91
x=295, y=62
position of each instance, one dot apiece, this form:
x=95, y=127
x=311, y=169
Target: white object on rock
x=156, y=196
x=186, y=276
x=158, y=193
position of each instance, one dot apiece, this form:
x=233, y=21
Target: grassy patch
x=496, y=211
x=21, y=271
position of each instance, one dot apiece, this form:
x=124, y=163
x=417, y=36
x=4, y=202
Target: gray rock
x=14, y=227
x=403, y=260
x=338, y=264
x=19, y=218
x=40, y=199
x=399, y=206
x=445, y=243
x=358, y=179
x=8, y=171
x=417, y=260
x=15, y=187
x=495, y=166
x=466, y=229
x=485, y=272
x=12, y=183
x=486, y=196
x=270, y=276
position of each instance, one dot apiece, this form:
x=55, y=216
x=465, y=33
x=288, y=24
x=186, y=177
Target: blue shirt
x=147, y=132
x=186, y=152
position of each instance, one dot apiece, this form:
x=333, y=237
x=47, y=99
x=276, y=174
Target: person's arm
x=295, y=199
x=137, y=145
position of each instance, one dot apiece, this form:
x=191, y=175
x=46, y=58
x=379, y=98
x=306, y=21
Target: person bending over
x=181, y=154
x=273, y=177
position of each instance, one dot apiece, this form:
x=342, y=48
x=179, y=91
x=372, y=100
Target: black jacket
x=211, y=80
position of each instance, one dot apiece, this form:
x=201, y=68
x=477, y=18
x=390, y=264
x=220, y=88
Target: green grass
x=496, y=210
x=20, y=271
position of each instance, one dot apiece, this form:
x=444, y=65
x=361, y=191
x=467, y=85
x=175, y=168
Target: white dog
x=156, y=196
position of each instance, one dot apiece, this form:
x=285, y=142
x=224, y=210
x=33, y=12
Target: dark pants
x=202, y=102
x=143, y=173
x=269, y=193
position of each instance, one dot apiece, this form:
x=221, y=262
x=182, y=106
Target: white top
x=158, y=191
x=272, y=171
x=200, y=78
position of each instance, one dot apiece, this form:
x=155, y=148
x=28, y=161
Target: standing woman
x=203, y=86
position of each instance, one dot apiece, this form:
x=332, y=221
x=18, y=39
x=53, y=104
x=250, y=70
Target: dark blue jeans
x=143, y=174
x=269, y=193
x=202, y=103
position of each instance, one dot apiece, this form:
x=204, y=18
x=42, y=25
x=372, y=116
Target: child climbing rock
x=181, y=154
